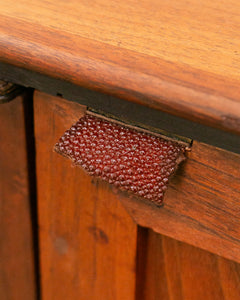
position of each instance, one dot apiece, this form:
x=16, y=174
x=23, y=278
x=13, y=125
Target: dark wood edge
x=181, y=140
x=126, y=111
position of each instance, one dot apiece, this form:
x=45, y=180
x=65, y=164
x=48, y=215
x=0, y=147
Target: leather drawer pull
x=132, y=160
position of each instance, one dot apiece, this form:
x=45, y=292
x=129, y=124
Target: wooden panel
x=201, y=206
x=87, y=239
x=170, y=55
x=17, y=278
x=178, y=271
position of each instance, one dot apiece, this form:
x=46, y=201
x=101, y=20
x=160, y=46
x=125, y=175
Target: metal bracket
x=8, y=91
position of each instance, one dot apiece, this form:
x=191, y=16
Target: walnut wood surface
x=89, y=242
x=201, y=205
x=177, y=56
x=177, y=271
x=87, y=239
x=17, y=272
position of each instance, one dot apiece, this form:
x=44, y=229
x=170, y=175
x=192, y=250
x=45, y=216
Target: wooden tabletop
x=179, y=56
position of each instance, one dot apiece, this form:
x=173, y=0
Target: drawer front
x=90, y=235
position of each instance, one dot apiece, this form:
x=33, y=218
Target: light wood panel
x=17, y=272
x=175, y=56
x=177, y=271
x=87, y=239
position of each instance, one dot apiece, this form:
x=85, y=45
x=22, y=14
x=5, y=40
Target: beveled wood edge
x=119, y=109
x=172, y=88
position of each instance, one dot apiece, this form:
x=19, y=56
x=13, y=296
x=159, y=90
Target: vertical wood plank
x=17, y=278
x=178, y=271
x=152, y=281
x=87, y=239
x=229, y=272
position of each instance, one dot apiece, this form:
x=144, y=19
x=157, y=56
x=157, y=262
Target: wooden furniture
x=17, y=271
x=165, y=65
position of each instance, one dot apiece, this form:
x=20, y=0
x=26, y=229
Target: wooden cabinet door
x=17, y=272
x=173, y=270
x=94, y=243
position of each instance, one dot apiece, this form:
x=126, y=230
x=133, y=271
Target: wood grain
x=87, y=239
x=201, y=205
x=17, y=272
x=178, y=271
x=171, y=55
